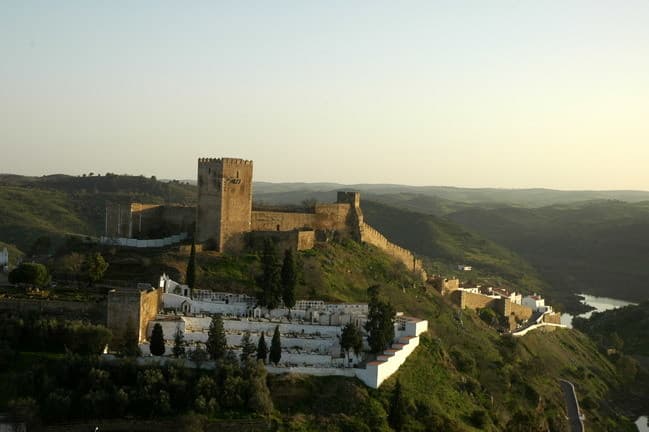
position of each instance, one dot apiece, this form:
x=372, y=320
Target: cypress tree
x=270, y=280
x=275, y=348
x=157, y=343
x=380, y=322
x=216, y=342
x=262, y=349
x=398, y=409
x=190, y=274
x=179, y=344
x=289, y=279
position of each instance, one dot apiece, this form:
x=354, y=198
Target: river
x=599, y=303
x=603, y=304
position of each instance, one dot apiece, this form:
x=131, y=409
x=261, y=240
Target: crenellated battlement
x=224, y=161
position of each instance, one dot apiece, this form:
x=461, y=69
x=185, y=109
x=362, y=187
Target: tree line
x=84, y=388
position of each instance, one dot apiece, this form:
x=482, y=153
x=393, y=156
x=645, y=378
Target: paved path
x=572, y=406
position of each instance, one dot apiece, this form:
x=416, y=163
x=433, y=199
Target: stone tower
x=224, y=203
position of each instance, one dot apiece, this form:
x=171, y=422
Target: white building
x=310, y=332
x=513, y=297
x=536, y=303
x=463, y=267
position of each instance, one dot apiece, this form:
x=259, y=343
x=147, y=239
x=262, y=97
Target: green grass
x=447, y=244
x=517, y=375
x=596, y=248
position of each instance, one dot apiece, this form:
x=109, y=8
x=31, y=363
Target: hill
x=447, y=244
x=532, y=198
x=596, y=247
x=464, y=377
x=58, y=205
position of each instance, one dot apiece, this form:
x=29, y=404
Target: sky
x=510, y=94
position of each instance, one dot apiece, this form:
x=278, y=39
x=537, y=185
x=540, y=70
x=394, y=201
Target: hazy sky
x=464, y=93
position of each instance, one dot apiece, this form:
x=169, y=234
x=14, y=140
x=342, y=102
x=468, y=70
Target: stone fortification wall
x=224, y=202
x=117, y=220
x=147, y=221
x=282, y=221
x=295, y=240
x=134, y=305
x=520, y=312
x=465, y=299
x=375, y=238
x=325, y=217
x=552, y=318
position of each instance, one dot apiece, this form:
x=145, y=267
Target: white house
x=536, y=303
x=463, y=267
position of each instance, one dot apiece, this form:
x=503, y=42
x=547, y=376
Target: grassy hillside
x=464, y=377
x=597, y=247
x=54, y=206
x=448, y=244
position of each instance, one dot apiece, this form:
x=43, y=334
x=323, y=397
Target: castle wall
x=282, y=221
x=134, y=305
x=122, y=308
x=507, y=308
x=469, y=300
x=142, y=221
x=373, y=237
x=295, y=240
x=224, y=202
x=117, y=220
x=305, y=240
x=150, y=304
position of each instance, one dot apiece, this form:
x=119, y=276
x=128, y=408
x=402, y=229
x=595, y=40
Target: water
x=603, y=304
x=642, y=424
x=599, y=303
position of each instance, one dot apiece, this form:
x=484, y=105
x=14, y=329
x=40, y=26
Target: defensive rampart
x=507, y=308
x=134, y=306
x=294, y=240
x=371, y=236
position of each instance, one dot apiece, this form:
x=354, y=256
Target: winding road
x=572, y=406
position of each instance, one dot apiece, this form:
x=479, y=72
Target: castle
x=224, y=219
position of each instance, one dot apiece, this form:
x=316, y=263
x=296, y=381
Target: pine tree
x=179, y=344
x=289, y=279
x=262, y=349
x=259, y=400
x=96, y=267
x=275, y=347
x=190, y=274
x=247, y=347
x=216, y=342
x=398, y=409
x=270, y=279
x=157, y=342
